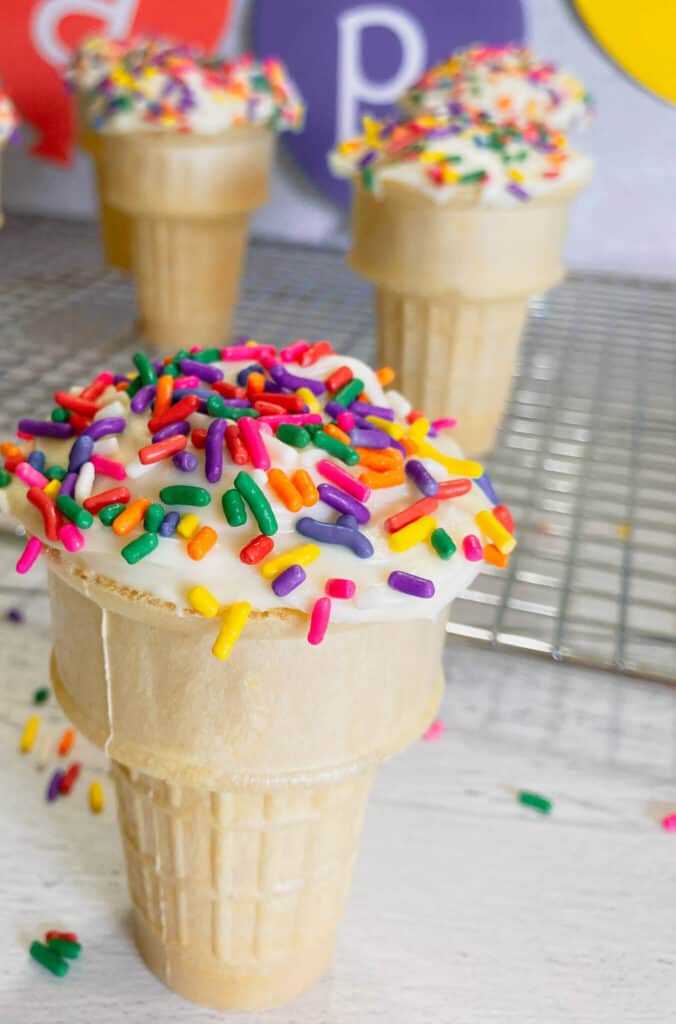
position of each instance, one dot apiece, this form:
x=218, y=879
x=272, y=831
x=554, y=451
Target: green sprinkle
x=49, y=959
x=234, y=508
x=59, y=415
x=442, y=543
x=55, y=473
x=5, y=478
x=534, y=800
x=368, y=178
x=71, y=950
x=185, y=494
x=153, y=517
x=289, y=433
x=471, y=178
x=108, y=514
x=41, y=695
x=349, y=392
x=139, y=548
x=207, y=355
x=452, y=158
x=170, y=370
x=71, y=510
x=134, y=385
x=313, y=428
x=146, y=370
x=217, y=408
x=257, y=502
x=336, y=448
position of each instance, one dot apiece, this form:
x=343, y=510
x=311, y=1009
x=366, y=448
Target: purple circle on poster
x=350, y=58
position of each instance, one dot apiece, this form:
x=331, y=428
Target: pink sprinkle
x=268, y=359
x=445, y=424
x=251, y=435
x=244, y=353
x=340, y=588
x=338, y=476
x=71, y=538
x=345, y=421
x=23, y=436
x=108, y=467
x=194, y=349
x=188, y=382
x=471, y=545
x=669, y=823
x=319, y=620
x=29, y=555
x=30, y=475
x=299, y=418
x=291, y=353
x=434, y=732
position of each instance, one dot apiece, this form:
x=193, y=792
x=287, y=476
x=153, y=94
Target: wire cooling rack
x=587, y=455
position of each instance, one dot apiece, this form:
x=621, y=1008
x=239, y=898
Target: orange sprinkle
x=66, y=742
x=131, y=516
x=410, y=446
x=334, y=431
x=202, y=543
x=495, y=557
x=287, y=492
x=376, y=481
x=164, y=394
x=385, y=375
x=363, y=397
x=305, y=486
x=10, y=451
x=380, y=459
x=255, y=383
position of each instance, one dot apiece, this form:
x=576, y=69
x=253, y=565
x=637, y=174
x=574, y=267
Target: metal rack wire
x=586, y=460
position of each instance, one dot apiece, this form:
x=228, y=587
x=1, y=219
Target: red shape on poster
x=37, y=36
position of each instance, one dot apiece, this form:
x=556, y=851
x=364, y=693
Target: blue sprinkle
x=484, y=482
x=169, y=524
x=37, y=460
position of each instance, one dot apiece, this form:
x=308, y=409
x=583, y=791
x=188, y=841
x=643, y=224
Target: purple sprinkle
x=80, y=452
x=14, y=615
x=213, y=451
x=46, y=428
x=343, y=502
x=369, y=156
x=517, y=191
x=237, y=403
x=414, y=586
x=54, y=783
x=288, y=580
x=422, y=477
x=331, y=533
x=68, y=484
x=172, y=430
x=334, y=409
x=143, y=398
x=366, y=409
x=171, y=520
x=119, y=377
x=158, y=367
x=348, y=521
x=205, y=371
x=288, y=380
x=185, y=461
x=108, y=425
x=399, y=446
x=484, y=482
x=367, y=438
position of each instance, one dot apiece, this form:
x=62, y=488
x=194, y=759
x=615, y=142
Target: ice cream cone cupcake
x=457, y=220
x=9, y=121
x=187, y=153
x=251, y=558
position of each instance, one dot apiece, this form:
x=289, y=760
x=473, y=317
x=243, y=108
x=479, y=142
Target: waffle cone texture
x=452, y=283
x=189, y=198
x=242, y=786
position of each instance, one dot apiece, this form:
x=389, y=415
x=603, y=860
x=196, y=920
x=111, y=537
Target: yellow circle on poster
x=639, y=35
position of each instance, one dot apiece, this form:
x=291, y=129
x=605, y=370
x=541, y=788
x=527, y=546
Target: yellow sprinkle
x=395, y=430
x=516, y=175
x=30, y=733
x=96, y=799
x=52, y=488
x=413, y=534
x=306, y=395
x=418, y=430
x=188, y=525
x=303, y=555
x=251, y=343
x=234, y=621
x=372, y=129
x=349, y=146
x=458, y=467
x=495, y=531
x=203, y=601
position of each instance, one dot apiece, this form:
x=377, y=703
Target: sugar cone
x=190, y=198
x=114, y=225
x=452, y=287
x=241, y=785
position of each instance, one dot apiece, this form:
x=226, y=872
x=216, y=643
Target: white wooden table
x=466, y=908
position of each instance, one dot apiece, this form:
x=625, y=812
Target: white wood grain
x=466, y=908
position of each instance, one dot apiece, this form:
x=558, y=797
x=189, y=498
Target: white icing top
x=93, y=59
x=168, y=573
